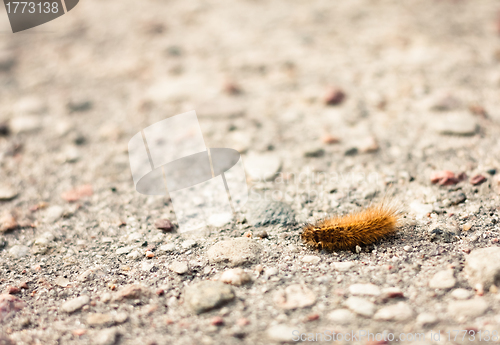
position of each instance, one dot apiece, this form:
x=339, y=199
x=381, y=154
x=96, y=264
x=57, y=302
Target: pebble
x=78, y=193
x=343, y=266
x=106, y=297
x=269, y=272
x=283, y=333
x=461, y=294
x=179, y=267
x=187, y=244
x=9, y=305
x=477, y=179
x=98, y=319
x=419, y=209
x=75, y=304
x=444, y=178
x=314, y=152
x=262, y=166
x=294, y=296
x=206, y=295
x=397, y=312
x=146, y=266
x=267, y=213
x=329, y=139
x=235, y=252
x=443, y=280
x=7, y=222
x=459, y=123
x=482, y=266
x=25, y=124
x=106, y=337
x=169, y=247
x=261, y=234
x=19, y=251
x=457, y=197
x=360, y=306
x=135, y=291
x=466, y=226
x=342, y=316
x=7, y=193
x=53, y=213
x=364, y=290
x=235, y=276
x=310, y=259
x=61, y=281
x=469, y=308
x=219, y=219
x=334, y=96
x=164, y=225
x=124, y=250
x=426, y=319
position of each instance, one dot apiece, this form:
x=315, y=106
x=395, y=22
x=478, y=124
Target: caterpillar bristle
x=357, y=229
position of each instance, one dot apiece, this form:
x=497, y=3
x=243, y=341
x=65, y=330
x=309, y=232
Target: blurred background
x=340, y=86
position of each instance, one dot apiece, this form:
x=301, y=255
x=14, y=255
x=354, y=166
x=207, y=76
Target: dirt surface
x=339, y=104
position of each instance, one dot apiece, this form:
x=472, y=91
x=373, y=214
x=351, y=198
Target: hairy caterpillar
x=357, y=229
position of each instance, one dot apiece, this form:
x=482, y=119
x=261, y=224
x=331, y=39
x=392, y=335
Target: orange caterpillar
x=358, y=229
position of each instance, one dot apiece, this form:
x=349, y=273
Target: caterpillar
x=357, y=229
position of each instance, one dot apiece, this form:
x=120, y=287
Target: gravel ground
x=334, y=105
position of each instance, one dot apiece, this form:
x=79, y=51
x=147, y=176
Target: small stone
x=135, y=291
x=150, y=254
x=235, y=252
x=124, y=250
x=7, y=222
x=343, y=266
x=61, y=281
x=461, y=294
x=460, y=123
x=261, y=234
x=98, y=319
x=7, y=193
x=491, y=171
x=314, y=152
x=25, y=124
x=78, y=193
x=267, y=213
x=106, y=337
x=235, y=276
x=342, y=316
x=120, y=318
x=444, y=178
x=164, y=225
x=188, y=244
x=310, y=259
x=216, y=321
x=270, y=272
x=53, y=213
x=219, y=219
x=262, y=166
x=329, y=139
x=282, y=333
x=169, y=247
x=12, y=290
x=364, y=290
x=457, y=198
x=9, y=305
x=334, y=96
x=477, y=180
x=106, y=297
x=443, y=280
x=397, y=312
x=406, y=248
x=360, y=306
x=482, y=266
x=79, y=105
x=243, y=321
x=470, y=308
x=294, y=296
x=351, y=151
x=19, y=251
x=466, y=226
x=179, y=267
x=146, y=266
x=207, y=295
x=426, y=319
x=75, y=304
x=4, y=129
